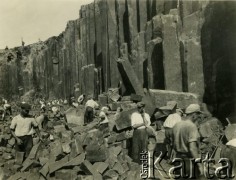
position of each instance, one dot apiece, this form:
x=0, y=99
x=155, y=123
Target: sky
x=35, y=19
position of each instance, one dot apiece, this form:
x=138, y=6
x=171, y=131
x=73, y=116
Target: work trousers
x=88, y=115
x=26, y=146
x=139, y=144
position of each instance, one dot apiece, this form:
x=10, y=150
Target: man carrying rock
x=22, y=130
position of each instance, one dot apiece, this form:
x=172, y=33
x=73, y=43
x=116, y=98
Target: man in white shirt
x=89, y=110
x=173, y=118
x=139, y=121
x=21, y=129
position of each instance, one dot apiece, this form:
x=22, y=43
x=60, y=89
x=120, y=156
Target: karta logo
x=184, y=168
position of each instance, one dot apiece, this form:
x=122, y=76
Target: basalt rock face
x=170, y=45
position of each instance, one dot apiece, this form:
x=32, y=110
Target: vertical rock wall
x=164, y=47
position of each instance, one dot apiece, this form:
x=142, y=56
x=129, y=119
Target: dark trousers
x=26, y=146
x=88, y=115
x=139, y=144
x=187, y=171
x=169, y=142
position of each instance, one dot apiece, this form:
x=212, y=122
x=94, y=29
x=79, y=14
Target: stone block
x=56, y=148
x=123, y=120
x=133, y=22
x=66, y=147
x=143, y=14
x=171, y=54
x=75, y=161
x=96, y=153
x=19, y=157
x=102, y=100
x=7, y=156
x=34, y=151
x=88, y=169
x=136, y=98
x=66, y=174
x=112, y=139
x=11, y=141
x=121, y=136
x=111, y=174
x=193, y=58
x=45, y=169
x=119, y=168
x=58, y=164
x=43, y=160
x=100, y=167
x=113, y=106
x=29, y=163
x=121, y=10
x=131, y=75
x=183, y=99
x=59, y=128
x=112, y=43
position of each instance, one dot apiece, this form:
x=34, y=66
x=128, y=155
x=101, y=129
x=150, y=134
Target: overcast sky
x=34, y=19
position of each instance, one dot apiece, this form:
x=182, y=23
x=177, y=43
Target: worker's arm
x=12, y=128
x=194, y=152
x=35, y=125
x=18, y=140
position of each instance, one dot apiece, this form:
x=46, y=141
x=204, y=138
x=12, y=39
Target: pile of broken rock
x=70, y=151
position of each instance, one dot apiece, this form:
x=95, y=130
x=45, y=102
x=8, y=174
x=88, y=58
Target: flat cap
x=192, y=108
x=25, y=106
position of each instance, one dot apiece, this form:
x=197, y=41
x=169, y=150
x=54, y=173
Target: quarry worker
x=89, y=110
x=103, y=115
x=22, y=130
x=139, y=121
x=186, y=139
x=168, y=124
x=7, y=108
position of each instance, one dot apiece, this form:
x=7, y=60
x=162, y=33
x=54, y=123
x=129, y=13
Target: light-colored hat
x=192, y=108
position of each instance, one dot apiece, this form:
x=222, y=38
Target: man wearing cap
x=186, y=138
x=139, y=121
x=169, y=123
x=21, y=129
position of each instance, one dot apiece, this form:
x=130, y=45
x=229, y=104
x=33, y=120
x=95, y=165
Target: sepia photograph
x=117, y=89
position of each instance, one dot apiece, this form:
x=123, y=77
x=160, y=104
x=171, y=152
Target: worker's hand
x=19, y=141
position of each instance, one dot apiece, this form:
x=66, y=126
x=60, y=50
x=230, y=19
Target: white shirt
x=136, y=118
x=171, y=120
x=232, y=142
x=75, y=104
x=103, y=114
x=91, y=103
x=23, y=126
